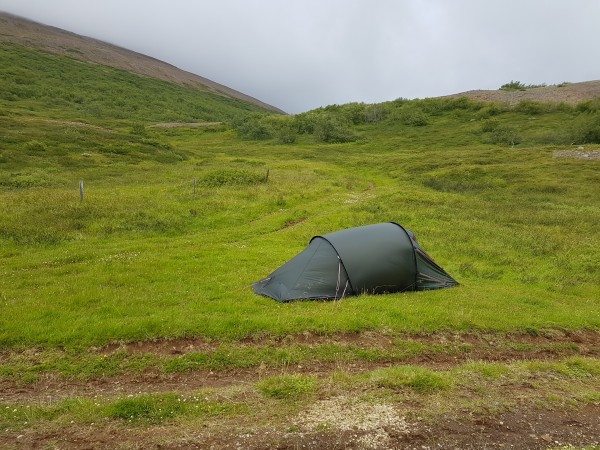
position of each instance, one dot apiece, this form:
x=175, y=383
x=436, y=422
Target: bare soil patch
x=578, y=154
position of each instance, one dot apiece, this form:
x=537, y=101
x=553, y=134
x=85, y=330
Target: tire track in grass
x=194, y=364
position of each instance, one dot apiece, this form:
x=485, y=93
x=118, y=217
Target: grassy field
x=177, y=222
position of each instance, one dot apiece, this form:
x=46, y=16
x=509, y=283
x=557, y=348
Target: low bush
x=253, y=128
x=506, y=135
x=518, y=86
x=586, y=129
x=410, y=116
x=489, y=125
x=330, y=129
x=531, y=107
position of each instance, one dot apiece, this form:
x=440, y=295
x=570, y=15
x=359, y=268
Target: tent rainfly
x=373, y=259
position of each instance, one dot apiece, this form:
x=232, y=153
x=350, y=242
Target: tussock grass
x=419, y=379
x=288, y=387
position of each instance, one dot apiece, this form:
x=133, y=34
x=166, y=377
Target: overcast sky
x=301, y=54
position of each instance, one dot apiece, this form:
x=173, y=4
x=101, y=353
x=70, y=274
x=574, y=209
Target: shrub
x=513, y=86
x=305, y=123
x=555, y=137
x=505, y=134
x=464, y=103
x=590, y=106
x=253, y=127
x=412, y=116
x=489, y=125
x=374, y=114
x=586, y=130
x=490, y=110
x=331, y=130
x=532, y=107
x=284, y=128
x=286, y=135
x=518, y=86
x=355, y=112
x=359, y=113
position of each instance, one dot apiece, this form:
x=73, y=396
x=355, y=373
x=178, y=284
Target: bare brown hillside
x=571, y=93
x=26, y=32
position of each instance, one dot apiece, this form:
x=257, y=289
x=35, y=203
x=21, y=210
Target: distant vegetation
x=518, y=86
x=488, y=122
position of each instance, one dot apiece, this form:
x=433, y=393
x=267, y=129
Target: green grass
x=143, y=256
x=419, y=379
x=288, y=387
x=137, y=410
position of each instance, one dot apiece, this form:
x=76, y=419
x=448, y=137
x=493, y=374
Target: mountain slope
x=569, y=93
x=25, y=32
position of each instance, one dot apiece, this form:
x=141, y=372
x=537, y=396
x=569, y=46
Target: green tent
x=373, y=259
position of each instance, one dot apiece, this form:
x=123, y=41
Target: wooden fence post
x=80, y=190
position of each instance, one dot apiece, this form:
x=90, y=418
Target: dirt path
x=473, y=347
x=338, y=418
x=526, y=428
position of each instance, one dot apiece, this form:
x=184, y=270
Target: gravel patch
x=580, y=153
x=375, y=425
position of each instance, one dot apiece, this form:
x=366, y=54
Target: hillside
x=568, y=93
x=31, y=34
